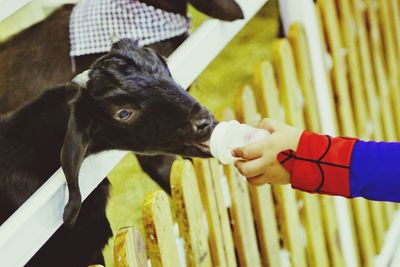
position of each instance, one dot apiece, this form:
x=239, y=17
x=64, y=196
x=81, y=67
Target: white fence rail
x=22, y=235
x=8, y=7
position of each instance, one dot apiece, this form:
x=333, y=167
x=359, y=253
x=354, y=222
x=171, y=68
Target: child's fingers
x=250, y=168
x=257, y=180
x=248, y=152
x=269, y=124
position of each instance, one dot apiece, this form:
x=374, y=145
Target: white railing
x=22, y=235
x=8, y=7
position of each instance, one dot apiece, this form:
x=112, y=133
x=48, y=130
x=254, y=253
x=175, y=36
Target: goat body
x=30, y=143
x=130, y=102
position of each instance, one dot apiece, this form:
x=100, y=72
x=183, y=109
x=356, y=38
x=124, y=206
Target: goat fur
x=69, y=122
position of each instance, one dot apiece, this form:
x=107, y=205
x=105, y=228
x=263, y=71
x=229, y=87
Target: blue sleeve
x=375, y=171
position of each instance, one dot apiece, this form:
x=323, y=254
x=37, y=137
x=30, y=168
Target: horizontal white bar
x=30, y=227
x=9, y=7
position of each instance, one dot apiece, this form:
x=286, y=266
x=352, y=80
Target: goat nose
x=200, y=124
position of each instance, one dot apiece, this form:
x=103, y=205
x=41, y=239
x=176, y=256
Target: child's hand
x=259, y=163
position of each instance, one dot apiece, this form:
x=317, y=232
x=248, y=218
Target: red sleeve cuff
x=321, y=164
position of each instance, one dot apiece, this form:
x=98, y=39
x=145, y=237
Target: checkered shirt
x=94, y=23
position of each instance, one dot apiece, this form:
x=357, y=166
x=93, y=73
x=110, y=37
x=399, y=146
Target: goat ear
x=221, y=9
x=82, y=78
x=73, y=152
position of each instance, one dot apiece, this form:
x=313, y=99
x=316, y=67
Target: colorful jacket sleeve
x=344, y=166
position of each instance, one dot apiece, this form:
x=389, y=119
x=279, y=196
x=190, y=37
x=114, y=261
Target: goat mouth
x=204, y=146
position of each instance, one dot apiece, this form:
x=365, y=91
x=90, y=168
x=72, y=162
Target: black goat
x=130, y=102
x=38, y=58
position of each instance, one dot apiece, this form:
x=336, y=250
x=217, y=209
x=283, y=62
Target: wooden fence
x=224, y=221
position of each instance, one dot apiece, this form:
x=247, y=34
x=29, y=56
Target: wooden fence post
x=262, y=200
x=190, y=214
x=292, y=98
x=129, y=248
x=298, y=41
x=241, y=214
x=159, y=233
x=358, y=8
x=382, y=82
x=212, y=195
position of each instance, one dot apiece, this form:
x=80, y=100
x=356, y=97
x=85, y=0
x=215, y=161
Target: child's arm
x=322, y=164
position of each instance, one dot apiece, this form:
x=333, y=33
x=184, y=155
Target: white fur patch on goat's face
x=82, y=78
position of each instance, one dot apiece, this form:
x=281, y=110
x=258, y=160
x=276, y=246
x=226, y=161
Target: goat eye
x=123, y=114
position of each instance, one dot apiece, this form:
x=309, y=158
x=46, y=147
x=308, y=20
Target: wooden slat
x=395, y=15
x=328, y=63
x=365, y=236
x=266, y=92
x=339, y=75
x=367, y=71
x=328, y=206
x=391, y=59
x=287, y=210
x=290, y=92
x=320, y=12
x=291, y=96
x=246, y=107
x=379, y=70
x=382, y=82
x=208, y=197
x=339, y=70
x=363, y=122
x=390, y=52
x=129, y=248
x=261, y=196
x=369, y=84
x=222, y=190
x=349, y=33
x=159, y=233
x=190, y=213
x=339, y=53
x=220, y=235
x=392, y=68
x=298, y=41
x=242, y=220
